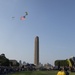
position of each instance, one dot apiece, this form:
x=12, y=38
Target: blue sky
x=52, y=20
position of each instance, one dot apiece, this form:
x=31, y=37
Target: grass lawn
x=39, y=73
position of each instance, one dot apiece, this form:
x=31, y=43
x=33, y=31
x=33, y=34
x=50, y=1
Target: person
x=61, y=72
x=66, y=71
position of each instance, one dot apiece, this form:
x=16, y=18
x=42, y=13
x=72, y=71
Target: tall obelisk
x=36, y=51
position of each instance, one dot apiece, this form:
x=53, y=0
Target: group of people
x=63, y=71
x=6, y=70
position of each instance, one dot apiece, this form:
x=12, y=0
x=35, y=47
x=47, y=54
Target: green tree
x=4, y=61
x=62, y=63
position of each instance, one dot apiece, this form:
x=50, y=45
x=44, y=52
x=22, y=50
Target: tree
x=62, y=63
x=3, y=60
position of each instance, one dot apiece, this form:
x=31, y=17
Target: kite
x=26, y=13
x=23, y=17
x=13, y=17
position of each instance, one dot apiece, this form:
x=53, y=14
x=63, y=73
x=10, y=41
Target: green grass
x=39, y=73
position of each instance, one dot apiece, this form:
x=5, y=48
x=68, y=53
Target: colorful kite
x=23, y=17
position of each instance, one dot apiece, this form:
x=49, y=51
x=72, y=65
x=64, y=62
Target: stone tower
x=36, y=51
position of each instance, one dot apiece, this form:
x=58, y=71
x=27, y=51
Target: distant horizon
x=33, y=61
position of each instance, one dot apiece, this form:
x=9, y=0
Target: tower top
x=36, y=37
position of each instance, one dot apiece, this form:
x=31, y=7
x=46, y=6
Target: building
x=36, y=51
x=14, y=62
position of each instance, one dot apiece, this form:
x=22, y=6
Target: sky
x=52, y=20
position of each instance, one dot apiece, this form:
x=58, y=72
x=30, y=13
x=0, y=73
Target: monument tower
x=36, y=51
